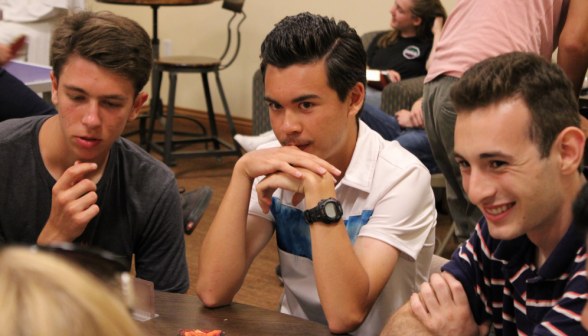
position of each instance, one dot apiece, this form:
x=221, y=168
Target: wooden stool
x=189, y=64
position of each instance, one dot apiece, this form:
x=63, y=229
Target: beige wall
x=201, y=30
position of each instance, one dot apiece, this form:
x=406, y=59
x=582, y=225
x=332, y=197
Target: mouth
x=498, y=212
x=87, y=142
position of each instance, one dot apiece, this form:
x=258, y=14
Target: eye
x=306, y=105
x=76, y=98
x=463, y=163
x=112, y=104
x=497, y=164
x=274, y=106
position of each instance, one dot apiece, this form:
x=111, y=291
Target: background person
x=44, y=295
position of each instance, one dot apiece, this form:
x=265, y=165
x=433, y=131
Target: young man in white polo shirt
x=354, y=214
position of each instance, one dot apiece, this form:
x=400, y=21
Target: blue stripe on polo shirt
x=293, y=234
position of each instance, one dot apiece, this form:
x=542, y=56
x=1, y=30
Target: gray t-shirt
x=140, y=211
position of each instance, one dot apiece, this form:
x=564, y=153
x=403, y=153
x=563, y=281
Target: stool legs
x=211, y=119
x=227, y=112
x=169, y=125
x=156, y=106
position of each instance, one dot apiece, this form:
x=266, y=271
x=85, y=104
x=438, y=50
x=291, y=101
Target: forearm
x=572, y=55
x=404, y=323
x=223, y=256
x=342, y=284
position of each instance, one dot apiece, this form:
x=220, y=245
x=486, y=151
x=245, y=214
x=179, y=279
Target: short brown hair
x=113, y=42
x=543, y=86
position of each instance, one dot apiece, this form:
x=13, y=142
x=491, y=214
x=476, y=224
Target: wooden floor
x=261, y=287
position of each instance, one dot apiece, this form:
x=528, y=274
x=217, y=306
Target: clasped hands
x=287, y=168
x=442, y=307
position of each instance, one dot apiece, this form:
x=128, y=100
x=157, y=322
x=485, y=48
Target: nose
x=478, y=185
x=393, y=9
x=92, y=116
x=291, y=123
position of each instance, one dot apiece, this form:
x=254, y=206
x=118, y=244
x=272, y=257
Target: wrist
x=319, y=189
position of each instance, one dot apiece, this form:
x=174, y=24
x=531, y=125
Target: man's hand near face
x=72, y=205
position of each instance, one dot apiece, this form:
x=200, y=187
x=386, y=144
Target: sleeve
x=404, y=214
x=467, y=269
x=565, y=317
x=161, y=254
x=31, y=11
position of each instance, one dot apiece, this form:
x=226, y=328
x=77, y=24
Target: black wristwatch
x=327, y=211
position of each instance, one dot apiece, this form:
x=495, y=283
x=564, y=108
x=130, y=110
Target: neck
x=408, y=33
x=57, y=154
x=547, y=236
x=342, y=159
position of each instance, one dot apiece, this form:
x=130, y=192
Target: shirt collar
x=360, y=173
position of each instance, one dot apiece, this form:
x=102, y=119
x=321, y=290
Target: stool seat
x=188, y=61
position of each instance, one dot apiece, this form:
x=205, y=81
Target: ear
x=357, y=95
x=139, y=101
x=54, y=98
x=569, y=145
x=416, y=21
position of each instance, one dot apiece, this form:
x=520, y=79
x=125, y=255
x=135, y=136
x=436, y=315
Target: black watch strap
x=319, y=214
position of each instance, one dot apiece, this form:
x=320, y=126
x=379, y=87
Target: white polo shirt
x=385, y=195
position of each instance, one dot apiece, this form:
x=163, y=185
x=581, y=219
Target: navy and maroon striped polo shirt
x=503, y=284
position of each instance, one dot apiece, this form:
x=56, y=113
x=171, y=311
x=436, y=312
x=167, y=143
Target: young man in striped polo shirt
x=520, y=148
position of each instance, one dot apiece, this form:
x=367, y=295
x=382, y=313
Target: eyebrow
x=295, y=100
x=77, y=89
x=490, y=155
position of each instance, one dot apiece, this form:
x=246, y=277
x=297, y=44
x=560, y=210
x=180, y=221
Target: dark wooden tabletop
x=178, y=311
x=158, y=2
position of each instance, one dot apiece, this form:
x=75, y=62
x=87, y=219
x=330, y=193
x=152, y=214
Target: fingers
x=441, y=289
x=429, y=297
x=457, y=292
x=73, y=175
x=485, y=327
x=418, y=308
x=266, y=188
x=394, y=76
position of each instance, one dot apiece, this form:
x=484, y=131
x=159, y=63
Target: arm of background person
x=31, y=12
x=437, y=28
x=572, y=55
x=5, y=54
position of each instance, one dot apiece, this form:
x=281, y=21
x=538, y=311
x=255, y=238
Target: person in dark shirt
x=72, y=178
x=404, y=51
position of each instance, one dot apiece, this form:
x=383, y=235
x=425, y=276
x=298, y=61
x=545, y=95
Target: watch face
x=331, y=210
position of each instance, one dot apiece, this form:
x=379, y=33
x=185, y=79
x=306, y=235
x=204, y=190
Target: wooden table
x=178, y=311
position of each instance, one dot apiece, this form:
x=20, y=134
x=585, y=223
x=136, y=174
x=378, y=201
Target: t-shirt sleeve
x=161, y=254
x=565, y=317
x=405, y=214
x=467, y=269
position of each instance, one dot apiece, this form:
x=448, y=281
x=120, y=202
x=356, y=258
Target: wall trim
x=242, y=125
